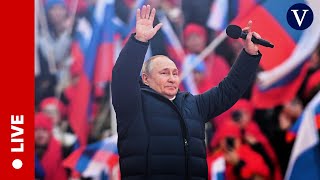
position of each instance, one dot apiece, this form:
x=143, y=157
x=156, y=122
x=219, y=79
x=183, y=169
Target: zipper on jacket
x=185, y=142
x=183, y=128
x=185, y=139
x=186, y=147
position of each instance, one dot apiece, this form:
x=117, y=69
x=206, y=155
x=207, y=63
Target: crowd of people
x=254, y=143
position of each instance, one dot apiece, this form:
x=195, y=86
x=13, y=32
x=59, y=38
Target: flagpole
x=36, y=60
x=64, y=69
x=45, y=32
x=73, y=11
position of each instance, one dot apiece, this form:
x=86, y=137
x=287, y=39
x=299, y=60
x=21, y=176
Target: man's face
x=163, y=77
x=195, y=43
x=198, y=77
x=293, y=108
x=42, y=136
x=57, y=14
x=53, y=112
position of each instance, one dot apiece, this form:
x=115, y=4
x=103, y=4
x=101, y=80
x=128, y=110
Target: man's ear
x=145, y=79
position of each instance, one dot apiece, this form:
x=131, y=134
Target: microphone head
x=234, y=31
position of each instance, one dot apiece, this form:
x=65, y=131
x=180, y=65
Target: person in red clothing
x=210, y=71
x=54, y=108
x=48, y=149
x=312, y=85
x=242, y=113
x=241, y=162
x=57, y=111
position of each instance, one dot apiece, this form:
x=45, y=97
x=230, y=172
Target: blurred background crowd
x=77, y=42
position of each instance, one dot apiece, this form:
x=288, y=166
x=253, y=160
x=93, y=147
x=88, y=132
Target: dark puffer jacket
x=163, y=139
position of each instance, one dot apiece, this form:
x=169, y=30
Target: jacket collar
x=145, y=87
x=177, y=100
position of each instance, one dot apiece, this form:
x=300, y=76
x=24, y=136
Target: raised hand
x=249, y=46
x=144, y=24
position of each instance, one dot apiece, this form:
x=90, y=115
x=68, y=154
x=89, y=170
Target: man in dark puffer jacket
x=160, y=129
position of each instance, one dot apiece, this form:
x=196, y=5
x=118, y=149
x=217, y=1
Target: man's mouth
x=171, y=87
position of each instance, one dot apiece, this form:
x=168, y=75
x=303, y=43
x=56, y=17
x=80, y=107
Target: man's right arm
x=126, y=95
x=125, y=82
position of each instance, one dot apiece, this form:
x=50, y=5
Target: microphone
x=235, y=32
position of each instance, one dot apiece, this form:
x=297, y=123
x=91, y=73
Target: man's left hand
x=249, y=46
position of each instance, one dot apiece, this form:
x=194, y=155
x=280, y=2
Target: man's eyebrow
x=174, y=69
x=164, y=69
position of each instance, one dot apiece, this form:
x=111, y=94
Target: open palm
x=144, y=24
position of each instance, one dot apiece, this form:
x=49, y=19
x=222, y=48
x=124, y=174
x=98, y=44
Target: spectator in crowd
x=48, y=149
x=57, y=112
x=286, y=116
x=242, y=113
x=56, y=42
x=210, y=71
x=53, y=44
x=241, y=161
x=310, y=85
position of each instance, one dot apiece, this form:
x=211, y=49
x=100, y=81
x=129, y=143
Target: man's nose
x=172, y=78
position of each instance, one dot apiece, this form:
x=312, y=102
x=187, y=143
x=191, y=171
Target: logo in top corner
x=299, y=16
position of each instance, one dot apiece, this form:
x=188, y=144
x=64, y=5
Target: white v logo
x=295, y=12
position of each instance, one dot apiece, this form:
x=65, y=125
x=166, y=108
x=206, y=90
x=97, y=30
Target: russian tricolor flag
x=286, y=64
x=80, y=98
x=172, y=42
x=94, y=50
x=96, y=160
x=223, y=12
x=305, y=157
x=218, y=168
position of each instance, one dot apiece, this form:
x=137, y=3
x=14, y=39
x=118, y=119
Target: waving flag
x=108, y=25
x=218, y=15
x=89, y=37
x=79, y=102
x=111, y=26
x=96, y=159
x=132, y=18
x=188, y=82
x=286, y=64
x=305, y=157
x=94, y=50
x=292, y=132
x=173, y=45
x=176, y=53
x=288, y=76
x=218, y=168
x=223, y=12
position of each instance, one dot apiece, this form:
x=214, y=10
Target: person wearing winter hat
x=212, y=69
x=240, y=161
x=57, y=111
x=48, y=150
